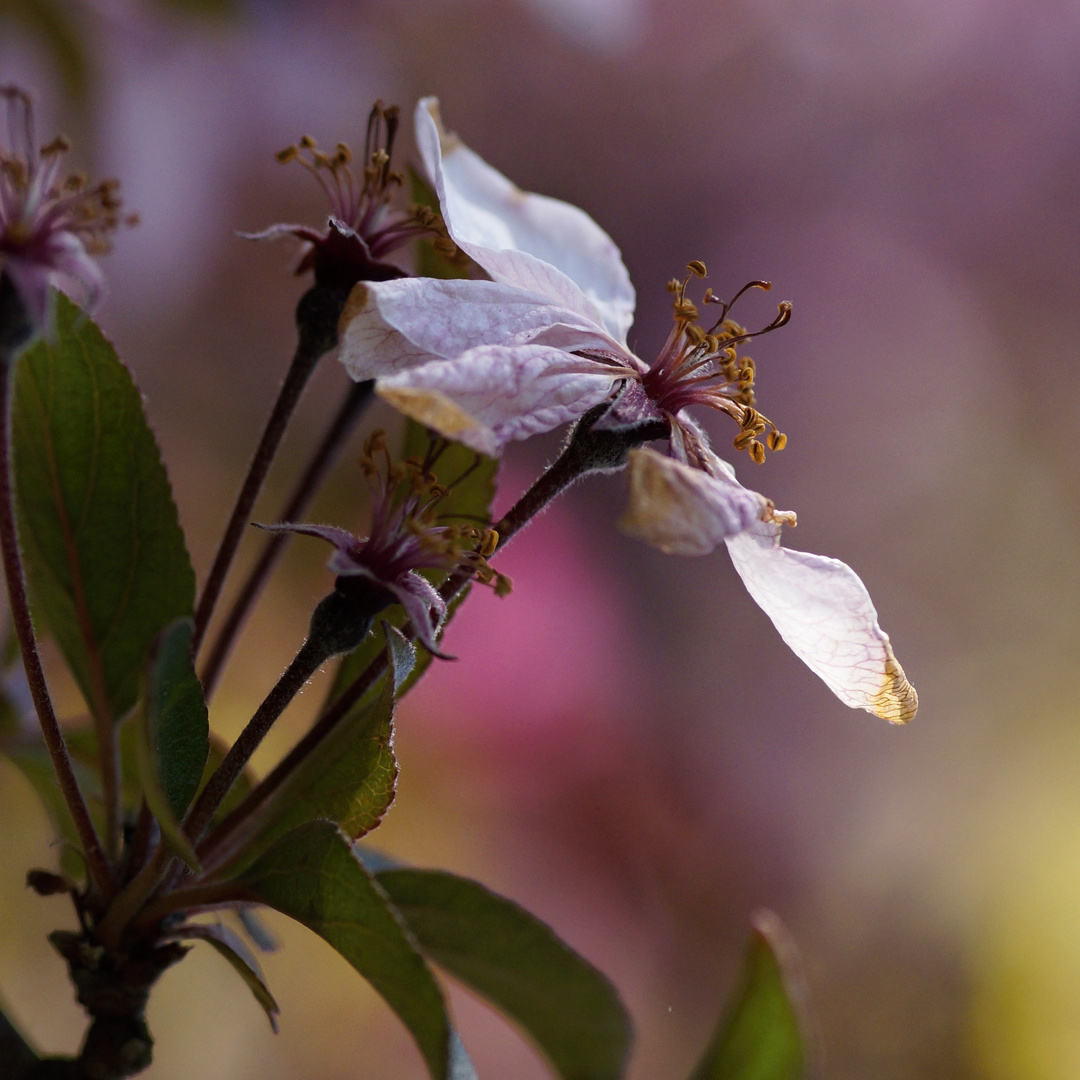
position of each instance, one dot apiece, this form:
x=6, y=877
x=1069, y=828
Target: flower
x=363, y=228
x=405, y=538
x=544, y=341
x=50, y=229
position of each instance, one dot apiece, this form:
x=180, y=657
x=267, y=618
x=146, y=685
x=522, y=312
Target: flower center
x=34, y=204
x=407, y=530
x=699, y=366
x=360, y=201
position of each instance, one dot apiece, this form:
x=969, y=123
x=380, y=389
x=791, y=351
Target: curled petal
x=537, y=243
x=682, y=510
x=425, y=608
x=494, y=394
x=824, y=613
x=443, y=319
x=343, y=560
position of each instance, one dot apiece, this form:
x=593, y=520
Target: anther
x=777, y=440
x=697, y=268
x=695, y=333
x=757, y=453
x=744, y=439
x=60, y=145
x=673, y=285
x=307, y=142
x=488, y=543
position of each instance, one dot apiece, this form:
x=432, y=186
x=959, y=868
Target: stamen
x=697, y=268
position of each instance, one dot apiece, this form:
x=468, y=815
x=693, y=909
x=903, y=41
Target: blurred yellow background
x=624, y=745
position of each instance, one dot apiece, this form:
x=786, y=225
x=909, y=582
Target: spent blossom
x=544, y=342
x=364, y=226
x=407, y=536
x=51, y=226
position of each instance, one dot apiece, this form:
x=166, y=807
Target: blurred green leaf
x=174, y=735
x=16, y=1055
x=33, y=761
x=52, y=24
x=232, y=947
x=759, y=1037
x=105, y=555
x=471, y=477
x=9, y=717
x=312, y=875
x=515, y=961
x=429, y=262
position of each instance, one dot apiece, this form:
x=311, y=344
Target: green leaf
x=62, y=36
x=174, y=735
x=312, y=876
x=759, y=1037
x=471, y=477
x=232, y=947
x=514, y=960
x=33, y=761
x=106, y=558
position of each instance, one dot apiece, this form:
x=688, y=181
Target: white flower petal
x=435, y=318
x=540, y=244
x=824, y=613
x=683, y=510
x=493, y=394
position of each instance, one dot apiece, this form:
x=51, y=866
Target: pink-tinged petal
x=540, y=244
x=424, y=607
x=824, y=613
x=682, y=510
x=344, y=542
x=494, y=394
x=434, y=318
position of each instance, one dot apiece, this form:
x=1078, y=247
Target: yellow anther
x=344, y=153
x=744, y=439
x=307, y=142
x=695, y=333
x=673, y=285
x=757, y=453
x=488, y=543
x=684, y=309
x=713, y=343
x=697, y=268
x=777, y=440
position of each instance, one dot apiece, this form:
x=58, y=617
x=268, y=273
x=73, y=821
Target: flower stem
x=585, y=451
x=306, y=662
x=102, y=876
x=339, y=430
x=338, y=624
x=316, y=320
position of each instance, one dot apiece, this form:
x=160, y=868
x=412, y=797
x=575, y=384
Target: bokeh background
x=624, y=744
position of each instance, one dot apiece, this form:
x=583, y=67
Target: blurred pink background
x=624, y=744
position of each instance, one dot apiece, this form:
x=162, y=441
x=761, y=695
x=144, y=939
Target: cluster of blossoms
x=543, y=342
x=408, y=536
x=50, y=227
